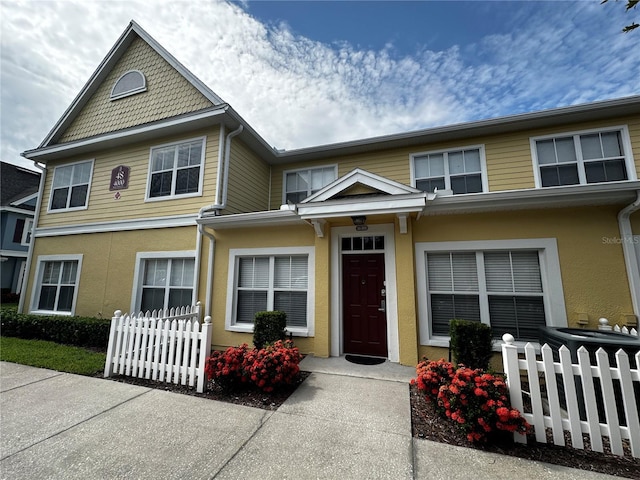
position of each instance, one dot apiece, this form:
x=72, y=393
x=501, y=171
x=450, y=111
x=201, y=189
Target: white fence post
x=512, y=370
x=108, y=366
x=205, y=350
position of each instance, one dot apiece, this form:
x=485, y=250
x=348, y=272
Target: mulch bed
x=427, y=424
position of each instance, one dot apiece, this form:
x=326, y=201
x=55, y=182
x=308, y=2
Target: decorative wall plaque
x=119, y=178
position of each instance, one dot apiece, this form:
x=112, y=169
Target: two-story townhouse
x=157, y=193
x=18, y=198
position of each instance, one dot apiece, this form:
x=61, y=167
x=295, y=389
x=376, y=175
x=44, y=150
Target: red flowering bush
x=431, y=375
x=227, y=368
x=273, y=366
x=267, y=368
x=477, y=401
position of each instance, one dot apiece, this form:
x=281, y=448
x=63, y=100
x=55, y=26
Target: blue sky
x=311, y=73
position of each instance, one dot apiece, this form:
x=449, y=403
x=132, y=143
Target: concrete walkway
x=344, y=422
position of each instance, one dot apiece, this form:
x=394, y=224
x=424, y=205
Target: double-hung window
x=506, y=288
x=56, y=284
x=165, y=280
x=270, y=280
x=70, y=187
x=461, y=171
x=582, y=158
x=300, y=184
x=176, y=170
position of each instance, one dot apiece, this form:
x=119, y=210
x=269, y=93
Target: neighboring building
x=18, y=198
x=157, y=193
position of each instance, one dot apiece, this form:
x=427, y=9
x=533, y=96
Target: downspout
x=36, y=218
x=630, y=255
x=224, y=153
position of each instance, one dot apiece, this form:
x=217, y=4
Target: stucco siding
x=168, y=94
x=248, y=180
x=103, y=205
x=108, y=264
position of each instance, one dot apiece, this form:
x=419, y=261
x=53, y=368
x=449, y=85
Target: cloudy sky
x=310, y=73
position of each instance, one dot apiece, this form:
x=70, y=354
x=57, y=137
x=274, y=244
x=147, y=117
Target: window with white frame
x=582, y=158
x=510, y=289
x=164, y=281
x=460, y=170
x=26, y=232
x=56, y=286
x=300, y=184
x=176, y=170
x=267, y=280
x=70, y=187
x=129, y=83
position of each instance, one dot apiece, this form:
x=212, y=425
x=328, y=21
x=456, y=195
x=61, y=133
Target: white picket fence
x=604, y=325
x=547, y=411
x=166, y=346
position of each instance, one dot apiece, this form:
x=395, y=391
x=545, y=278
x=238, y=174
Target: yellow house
x=156, y=193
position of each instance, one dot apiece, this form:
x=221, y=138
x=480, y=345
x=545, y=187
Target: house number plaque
x=119, y=178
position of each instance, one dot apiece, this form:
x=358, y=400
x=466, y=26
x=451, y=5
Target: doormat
x=364, y=360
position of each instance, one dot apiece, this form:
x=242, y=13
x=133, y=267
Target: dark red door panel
x=364, y=318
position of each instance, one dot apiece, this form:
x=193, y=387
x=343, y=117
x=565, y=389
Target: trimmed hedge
x=269, y=327
x=80, y=331
x=471, y=343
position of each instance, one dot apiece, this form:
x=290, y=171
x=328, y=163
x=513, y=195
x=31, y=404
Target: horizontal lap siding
x=104, y=207
x=248, y=181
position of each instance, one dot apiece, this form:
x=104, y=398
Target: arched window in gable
x=129, y=83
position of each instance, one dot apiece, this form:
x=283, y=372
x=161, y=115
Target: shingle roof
x=16, y=183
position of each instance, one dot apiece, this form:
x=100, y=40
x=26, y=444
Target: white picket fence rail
x=559, y=419
x=166, y=346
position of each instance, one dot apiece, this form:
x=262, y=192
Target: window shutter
x=526, y=272
x=465, y=272
x=295, y=306
x=445, y=308
x=519, y=316
x=497, y=267
x=250, y=302
x=439, y=272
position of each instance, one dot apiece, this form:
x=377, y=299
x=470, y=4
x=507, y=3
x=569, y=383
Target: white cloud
x=297, y=92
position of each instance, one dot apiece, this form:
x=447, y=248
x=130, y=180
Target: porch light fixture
x=359, y=222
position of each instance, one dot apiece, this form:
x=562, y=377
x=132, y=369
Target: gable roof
x=17, y=184
x=361, y=177
x=132, y=32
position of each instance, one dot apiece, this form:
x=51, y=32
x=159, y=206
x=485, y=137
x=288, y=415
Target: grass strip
x=43, y=354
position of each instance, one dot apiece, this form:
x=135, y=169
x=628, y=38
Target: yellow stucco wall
x=508, y=156
x=593, y=272
x=168, y=94
x=263, y=238
x=104, y=207
x=108, y=264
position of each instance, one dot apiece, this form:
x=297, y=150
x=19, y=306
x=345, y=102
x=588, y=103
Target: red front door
x=364, y=317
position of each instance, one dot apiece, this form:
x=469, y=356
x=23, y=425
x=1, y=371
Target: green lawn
x=63, y=358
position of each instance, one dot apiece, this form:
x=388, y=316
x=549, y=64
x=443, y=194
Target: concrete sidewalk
x=336, y=425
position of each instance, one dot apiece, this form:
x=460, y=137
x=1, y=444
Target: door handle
x=383, y=306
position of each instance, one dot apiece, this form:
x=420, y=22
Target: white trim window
x=592, y=156
x=71, y=186
x=503, y=284
x=461, y=170
x=56, y=288
x=129, y=83
x=271, y=279
x=176, y=170
x=25, y=239
x=300, y=184
x=164, y=280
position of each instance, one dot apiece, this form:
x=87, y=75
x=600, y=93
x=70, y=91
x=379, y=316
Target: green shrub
x=471, y=343
x=269, y=327
x=80, y=331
